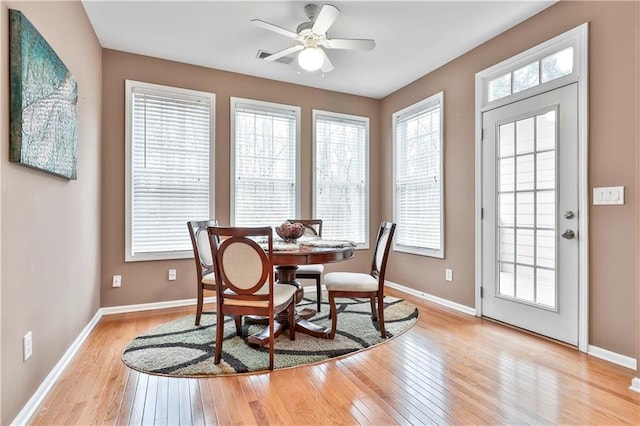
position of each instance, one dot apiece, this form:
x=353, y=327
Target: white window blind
x=418, y=197
x=265, y=176
x=169, y=146
x=341, y=179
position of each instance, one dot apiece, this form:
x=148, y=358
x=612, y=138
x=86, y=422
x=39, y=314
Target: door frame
x=578, y=39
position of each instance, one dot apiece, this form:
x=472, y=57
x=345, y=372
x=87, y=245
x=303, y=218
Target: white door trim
x=579, y=37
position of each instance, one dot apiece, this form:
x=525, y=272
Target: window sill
x=143, y=257
x=438, y=254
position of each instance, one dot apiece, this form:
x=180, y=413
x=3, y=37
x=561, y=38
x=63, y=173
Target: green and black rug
x=181, y=349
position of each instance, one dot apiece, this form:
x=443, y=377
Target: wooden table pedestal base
x=287, y=274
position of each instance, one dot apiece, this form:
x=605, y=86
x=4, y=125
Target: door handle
x=568, y=234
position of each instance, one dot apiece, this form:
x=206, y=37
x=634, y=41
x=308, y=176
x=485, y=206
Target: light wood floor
x=449, y=368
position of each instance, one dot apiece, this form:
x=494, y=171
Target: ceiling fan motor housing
x=311, y=11
x=304, y=29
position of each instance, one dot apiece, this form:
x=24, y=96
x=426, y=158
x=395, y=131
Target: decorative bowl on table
x=290, y=232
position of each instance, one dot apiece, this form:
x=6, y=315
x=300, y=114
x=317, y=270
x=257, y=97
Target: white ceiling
x=412, y=37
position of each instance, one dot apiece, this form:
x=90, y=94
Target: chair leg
x=238, y=321
x=199, y=307
x=219, y=337
x=292, y=319
x=271, y=342
x=374, y=316
x=381, y=318
x=334, y=315
x=319, y=292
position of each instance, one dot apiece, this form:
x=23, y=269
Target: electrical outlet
x=448, y=274
x=172, y=275
x=27, y=346
x=117, y=281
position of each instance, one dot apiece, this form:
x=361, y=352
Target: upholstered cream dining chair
x=205, y=279
x=371, y=285
x=313, y=272
x=244, y=272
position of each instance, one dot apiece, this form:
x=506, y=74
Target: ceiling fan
x=312, y=38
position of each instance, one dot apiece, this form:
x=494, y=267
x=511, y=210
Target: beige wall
x=613, y=132
x=637, y=115
x=50, y=232
x=144, y=282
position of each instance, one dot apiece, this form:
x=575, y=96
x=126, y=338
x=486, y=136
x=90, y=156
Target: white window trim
x=577, y=37
x=232, y=136
x=365, y=120
x=129, y=86
x=437, y=98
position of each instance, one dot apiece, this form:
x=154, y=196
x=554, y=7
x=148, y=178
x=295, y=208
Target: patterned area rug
x=179, y=348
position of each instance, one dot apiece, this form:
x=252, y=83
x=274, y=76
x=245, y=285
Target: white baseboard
x=29, y=409
x=123, y=309
x=616, y=358
x=431, y=298
x=110, y=310
x=635, y=384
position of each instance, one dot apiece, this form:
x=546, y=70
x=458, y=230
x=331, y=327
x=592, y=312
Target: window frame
x=347, y=117
x=232, y=148
x=423, y=105
x=574, y=38
x=130, y=85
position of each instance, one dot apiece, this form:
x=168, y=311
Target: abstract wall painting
x=44, y=94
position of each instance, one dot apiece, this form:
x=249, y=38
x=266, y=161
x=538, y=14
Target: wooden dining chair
x=371, y=285
x=205, y=277
x=312, y=272
x=244, y=272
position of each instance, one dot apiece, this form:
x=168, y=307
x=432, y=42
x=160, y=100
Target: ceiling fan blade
x=327, y=16
x=274, y=28
x=327, y=66
x=283, y=53
x=350, y=43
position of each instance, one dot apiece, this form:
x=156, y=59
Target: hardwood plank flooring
x=449, y=368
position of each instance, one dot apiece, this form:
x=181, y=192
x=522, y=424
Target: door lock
x=569, y=214
x=568, y=234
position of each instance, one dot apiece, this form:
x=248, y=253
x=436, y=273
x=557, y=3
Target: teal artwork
x=43, y=117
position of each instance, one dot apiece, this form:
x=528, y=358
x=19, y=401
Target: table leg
x=287, y=275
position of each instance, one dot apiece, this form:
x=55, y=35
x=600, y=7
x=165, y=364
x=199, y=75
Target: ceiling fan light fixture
x=312, y=41
x=310, y=59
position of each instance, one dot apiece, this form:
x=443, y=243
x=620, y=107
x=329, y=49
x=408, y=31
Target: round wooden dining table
x=287, y=262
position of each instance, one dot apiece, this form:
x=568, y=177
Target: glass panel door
x=526, y=209
x=530, y=256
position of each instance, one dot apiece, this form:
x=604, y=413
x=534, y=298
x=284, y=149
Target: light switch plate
x=448, y=274
x=610, y=195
